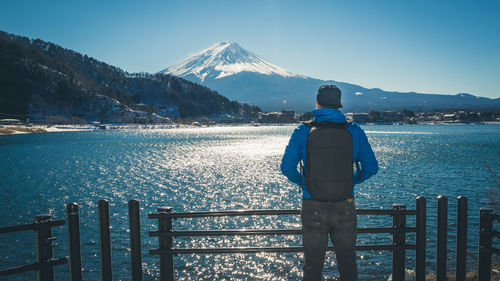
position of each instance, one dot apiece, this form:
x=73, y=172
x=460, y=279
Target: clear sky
x=445, y=47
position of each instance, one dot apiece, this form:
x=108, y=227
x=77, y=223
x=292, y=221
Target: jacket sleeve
x=292, y=155
x=366, y=157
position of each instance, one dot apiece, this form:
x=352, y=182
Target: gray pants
x=338, y=219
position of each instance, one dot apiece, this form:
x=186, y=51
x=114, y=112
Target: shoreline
x=23, y=129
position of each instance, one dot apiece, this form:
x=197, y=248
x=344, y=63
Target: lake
x=228, y=168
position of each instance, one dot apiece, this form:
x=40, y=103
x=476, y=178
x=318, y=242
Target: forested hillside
x=40, y=79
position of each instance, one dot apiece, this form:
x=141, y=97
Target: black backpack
x=329, y=169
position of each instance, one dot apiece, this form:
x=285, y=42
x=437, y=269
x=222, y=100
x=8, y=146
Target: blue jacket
x=296, y=149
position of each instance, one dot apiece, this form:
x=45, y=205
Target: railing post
x=398, y=240
x=461, y=266
x=135, y=239
x=421, y=224
x=104, y=240
x=165, y=243
x=44, y=253
x=485, y=242
x=75, y=256
x=441, y=240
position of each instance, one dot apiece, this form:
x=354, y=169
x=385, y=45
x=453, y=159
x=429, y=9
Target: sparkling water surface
x=228, y=168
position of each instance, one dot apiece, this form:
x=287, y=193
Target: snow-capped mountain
x=245, y=77
x=222, y=60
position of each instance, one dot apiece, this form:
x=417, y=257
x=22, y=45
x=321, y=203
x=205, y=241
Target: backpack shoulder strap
x=310, y=123
x=335, y=124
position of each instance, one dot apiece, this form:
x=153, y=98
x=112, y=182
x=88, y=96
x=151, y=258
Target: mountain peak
x=224, y=59
x=225, y=43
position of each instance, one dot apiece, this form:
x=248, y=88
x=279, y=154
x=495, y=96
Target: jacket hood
x=328, y=114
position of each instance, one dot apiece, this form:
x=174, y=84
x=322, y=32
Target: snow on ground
x=12, y=130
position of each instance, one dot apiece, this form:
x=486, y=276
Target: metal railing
x=442, y=239
x=486, y=249
x=44, y=252
x=166, y=234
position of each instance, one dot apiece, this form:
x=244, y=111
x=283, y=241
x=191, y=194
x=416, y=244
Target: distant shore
x=30, y=129
x=19, y=129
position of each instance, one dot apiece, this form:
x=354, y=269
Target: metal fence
x=486, y=249
x=44, y=253
x=398, y=231
x=166, y=235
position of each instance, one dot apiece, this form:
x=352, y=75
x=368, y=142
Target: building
x=285, y=116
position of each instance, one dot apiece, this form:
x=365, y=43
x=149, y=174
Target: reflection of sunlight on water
x=221, y=168
x=400, y=133
x=255, y=147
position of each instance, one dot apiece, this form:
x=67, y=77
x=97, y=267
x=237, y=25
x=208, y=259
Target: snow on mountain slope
x=245, y=77
x=222, y=60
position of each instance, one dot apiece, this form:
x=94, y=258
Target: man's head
x=328, y=97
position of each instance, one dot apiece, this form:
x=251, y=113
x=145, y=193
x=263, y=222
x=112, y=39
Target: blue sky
x=445, y=47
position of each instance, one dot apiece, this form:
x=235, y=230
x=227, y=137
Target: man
x=328, y=186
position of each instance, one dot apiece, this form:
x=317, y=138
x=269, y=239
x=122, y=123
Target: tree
x=375, y=116
x=408, y=113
